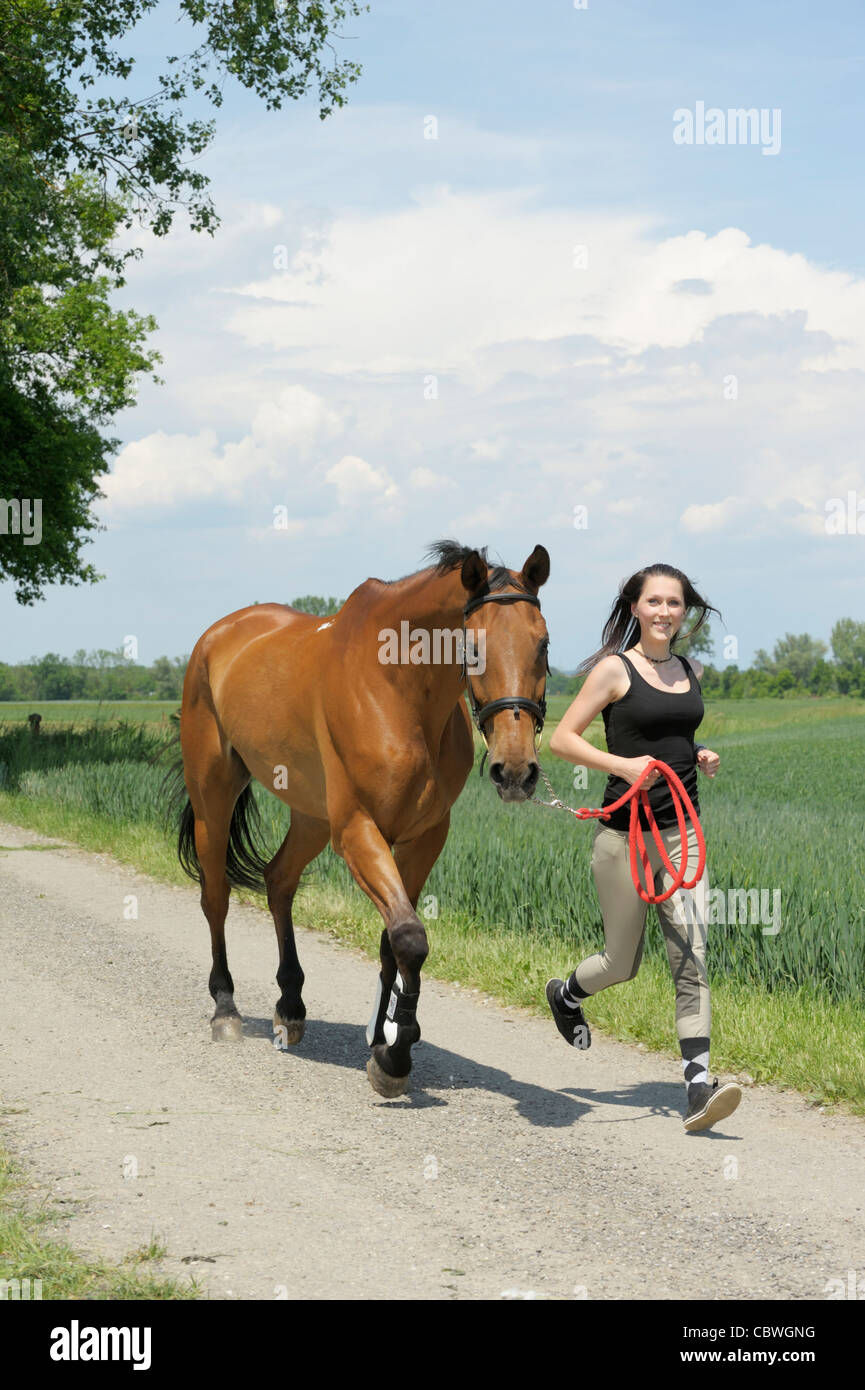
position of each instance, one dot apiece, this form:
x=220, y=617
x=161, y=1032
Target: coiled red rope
x=639, y=797
x=636, y=839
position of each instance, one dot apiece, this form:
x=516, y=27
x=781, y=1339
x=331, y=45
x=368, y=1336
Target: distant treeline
x=799, y=665
x=111, y=675
x=99, y=675
x=728, y=682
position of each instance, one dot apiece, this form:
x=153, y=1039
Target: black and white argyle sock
x=695, y=1061
x=570, y=995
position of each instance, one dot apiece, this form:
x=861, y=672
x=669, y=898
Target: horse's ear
x=536, y=570
x=474, y=573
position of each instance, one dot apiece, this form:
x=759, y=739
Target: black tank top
x=657, y=724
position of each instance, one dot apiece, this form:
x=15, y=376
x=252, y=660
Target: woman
x=651, y=703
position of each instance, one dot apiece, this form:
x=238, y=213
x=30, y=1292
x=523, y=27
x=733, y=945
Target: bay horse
x=369, y=753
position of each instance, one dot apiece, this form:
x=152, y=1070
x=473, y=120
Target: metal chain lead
x=556, y=803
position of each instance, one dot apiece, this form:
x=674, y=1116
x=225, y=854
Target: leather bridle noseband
x=481, y=713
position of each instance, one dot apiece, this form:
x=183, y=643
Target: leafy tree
x=821, y=679
x=848, y=642
x=702, y=643
x=783, y=681
x=64, y=88
x=798, y=655
x=81, y=157
x=8, y=683
x=54, y=678
x=68, y=363
x=763, y=661
x=167, y=677
x=759, y=683
x=318, y=606
x=850, y=678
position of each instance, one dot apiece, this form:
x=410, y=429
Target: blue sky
x=549, y=305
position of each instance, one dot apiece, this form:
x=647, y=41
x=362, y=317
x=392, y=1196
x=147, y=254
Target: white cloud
x=164, y=470
x=184, y=250
x=356, y=481
x=297, y=418
x=487, y=448
x=170, y=468
x=626, y=506
x=601, y=384
x=429, y=287
x=425, y=478
x=711, y=516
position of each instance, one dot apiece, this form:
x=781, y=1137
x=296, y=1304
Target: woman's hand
x=629, y=770
x=708, y=761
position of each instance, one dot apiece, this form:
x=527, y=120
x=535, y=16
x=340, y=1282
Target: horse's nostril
x=496, y=772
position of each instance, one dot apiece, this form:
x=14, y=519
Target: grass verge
x=28, y=1253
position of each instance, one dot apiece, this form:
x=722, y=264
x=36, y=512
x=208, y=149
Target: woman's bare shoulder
x=614, y=674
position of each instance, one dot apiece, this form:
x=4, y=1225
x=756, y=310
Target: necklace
x=653, y=660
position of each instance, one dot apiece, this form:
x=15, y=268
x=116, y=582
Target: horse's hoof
x=385, y=1085
x=229, y=1028
x=287, y=1034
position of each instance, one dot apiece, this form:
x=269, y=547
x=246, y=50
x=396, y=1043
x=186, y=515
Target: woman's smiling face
x=660, y=609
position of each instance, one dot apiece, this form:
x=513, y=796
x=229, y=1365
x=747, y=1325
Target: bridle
x=481, y=713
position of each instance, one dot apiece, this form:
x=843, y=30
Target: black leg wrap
x=396, y=1030
x=402, y=1007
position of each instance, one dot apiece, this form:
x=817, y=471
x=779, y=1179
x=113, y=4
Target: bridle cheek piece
x=481, y=713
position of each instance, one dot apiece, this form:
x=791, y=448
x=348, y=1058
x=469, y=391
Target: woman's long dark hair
x=621, y=624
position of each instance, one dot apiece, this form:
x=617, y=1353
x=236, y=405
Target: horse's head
x=506, y=666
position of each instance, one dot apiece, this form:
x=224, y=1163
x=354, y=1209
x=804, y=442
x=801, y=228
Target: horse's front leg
x=414, y=860
x=394, y=1028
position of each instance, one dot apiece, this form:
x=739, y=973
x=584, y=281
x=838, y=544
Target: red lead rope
x=635, y=834
x=636, y=840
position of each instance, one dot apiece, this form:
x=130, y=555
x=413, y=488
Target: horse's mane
x=449, y=555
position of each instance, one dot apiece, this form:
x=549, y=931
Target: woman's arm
x=602, y=684
x=706, y=759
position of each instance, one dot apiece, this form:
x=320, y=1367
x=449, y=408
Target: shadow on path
x=436, y=1069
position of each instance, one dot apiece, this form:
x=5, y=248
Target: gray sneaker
x=706, y=1104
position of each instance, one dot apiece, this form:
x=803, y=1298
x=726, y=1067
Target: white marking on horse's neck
x=329, y=623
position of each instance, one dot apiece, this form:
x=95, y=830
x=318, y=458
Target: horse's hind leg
x=214, y=782
x=211, y=845
x=306, y=838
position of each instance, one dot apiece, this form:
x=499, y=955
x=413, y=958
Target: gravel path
x=513, y=1167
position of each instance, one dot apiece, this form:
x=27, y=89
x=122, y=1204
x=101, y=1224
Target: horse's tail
x=245, y=863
